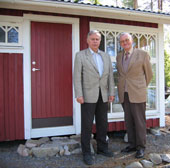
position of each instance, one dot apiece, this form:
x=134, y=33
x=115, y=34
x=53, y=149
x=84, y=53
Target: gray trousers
x=135, y=121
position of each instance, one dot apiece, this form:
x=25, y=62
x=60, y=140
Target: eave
x=85, y=10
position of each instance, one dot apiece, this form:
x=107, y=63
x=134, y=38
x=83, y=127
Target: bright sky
x=141, y=4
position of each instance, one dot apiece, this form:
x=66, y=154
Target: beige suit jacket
x=87, y=80
x=137, y=77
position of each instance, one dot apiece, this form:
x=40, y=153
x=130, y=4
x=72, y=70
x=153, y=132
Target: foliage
x=128, y=3
x=95, y=2
x=167, y=69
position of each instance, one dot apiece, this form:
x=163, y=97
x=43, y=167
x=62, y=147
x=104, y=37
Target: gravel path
x=9, y=158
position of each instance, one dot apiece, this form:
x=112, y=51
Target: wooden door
x=51, y=75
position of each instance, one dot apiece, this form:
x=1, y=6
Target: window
x=144, y=40
x=10, y=34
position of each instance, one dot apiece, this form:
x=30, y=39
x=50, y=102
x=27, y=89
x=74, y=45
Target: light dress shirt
x=129, y=53
x=98, y=60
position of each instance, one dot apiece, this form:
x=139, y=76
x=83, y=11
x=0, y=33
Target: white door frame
x=52, y=131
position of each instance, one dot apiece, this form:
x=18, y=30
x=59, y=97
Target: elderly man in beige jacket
x=94, y=88
x=134, y=74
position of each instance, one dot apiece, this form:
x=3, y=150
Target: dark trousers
x=135, y=121
x=88, y=111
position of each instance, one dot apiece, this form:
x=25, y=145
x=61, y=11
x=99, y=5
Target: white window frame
x=119, y=116
x=12, y=22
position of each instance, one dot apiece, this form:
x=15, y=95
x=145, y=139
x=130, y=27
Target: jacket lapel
x=120, y=62
x=104, y=62
x=132, y=59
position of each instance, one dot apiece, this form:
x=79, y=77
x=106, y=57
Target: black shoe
x=140, y=153
x=88, y=160
x=106, y=153
x=128, y=149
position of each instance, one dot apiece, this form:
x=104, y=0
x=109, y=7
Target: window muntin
x=10, y=34
x=146, y=41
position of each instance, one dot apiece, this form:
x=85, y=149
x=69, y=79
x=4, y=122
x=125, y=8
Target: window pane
x=102, y=43
x=135, y=41
x=119, y=48
x=153, y=81
x=152, y=47
x=116, y=106
x=151, y=99
x=12, y=36
x=115, y=74
x=143, y=43
x=2, y=35
x=110, y=43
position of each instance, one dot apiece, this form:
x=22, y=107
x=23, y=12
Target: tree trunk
x=159, y=5
x=151, y=5
x=135, y=4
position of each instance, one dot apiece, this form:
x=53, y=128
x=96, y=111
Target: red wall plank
x=2, y=114
x=120, y=125
x=11, y=87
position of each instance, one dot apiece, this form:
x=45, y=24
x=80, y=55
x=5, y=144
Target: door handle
x=35, y=69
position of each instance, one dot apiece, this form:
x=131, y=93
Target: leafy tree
x=95, y=2
x=167, y=69
x=127, y=3
x=130, y=3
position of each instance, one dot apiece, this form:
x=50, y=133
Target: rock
x=58, y=138
x=146, y=164
x=34, y=143
x=43, y=140
x=22, y=150
x=155, y=158
x=166, y=157
x=31, y=143
x=135, y=165
x=94, y=144
x=92, y=149
x=45, y=151
x=76, y=151
x=66, y=150
x=126, y=138
x=75, y=136
x=71, y=143
x=61, y=151
x=155, y=131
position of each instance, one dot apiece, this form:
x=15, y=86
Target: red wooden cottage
x=38, y=42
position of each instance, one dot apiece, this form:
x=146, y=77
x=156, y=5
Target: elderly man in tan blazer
x=134, y=74
x=94, y=88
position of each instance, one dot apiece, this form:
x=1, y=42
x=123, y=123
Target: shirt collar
x=92, y=52
x=130, y=51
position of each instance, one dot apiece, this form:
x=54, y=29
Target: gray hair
x=125, y=33
x=93, y=32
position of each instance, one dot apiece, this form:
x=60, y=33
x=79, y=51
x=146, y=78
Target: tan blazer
x=137, y=77
x=87, y=80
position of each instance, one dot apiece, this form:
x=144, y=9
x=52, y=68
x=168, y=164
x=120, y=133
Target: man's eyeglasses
x=123, y=41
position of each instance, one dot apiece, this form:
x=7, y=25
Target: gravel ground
x=9, y=158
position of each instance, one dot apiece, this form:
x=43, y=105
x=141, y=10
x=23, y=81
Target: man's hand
x=80, y=100
x=111, y=98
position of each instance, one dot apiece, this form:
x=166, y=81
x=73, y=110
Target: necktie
x=126, y=56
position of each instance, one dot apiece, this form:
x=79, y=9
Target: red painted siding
x=11, y=97
x=120, y=125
